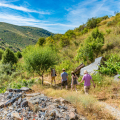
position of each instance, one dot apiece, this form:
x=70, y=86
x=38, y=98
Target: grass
x=87, y=105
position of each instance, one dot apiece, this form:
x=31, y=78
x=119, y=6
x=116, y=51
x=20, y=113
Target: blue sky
x=56, y=16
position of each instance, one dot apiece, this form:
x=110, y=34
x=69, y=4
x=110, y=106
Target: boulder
x=116, y=77
x=92, y=67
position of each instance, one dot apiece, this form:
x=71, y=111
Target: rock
x=32, y=95
x=10, y=95
x=25, y=89
x=24, y=103
x=72, y=116
x=92, y=67
x=19, y=100
x=15, y=115
x=116, y=77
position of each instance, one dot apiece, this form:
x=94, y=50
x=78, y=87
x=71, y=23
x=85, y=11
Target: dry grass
x=86, y=105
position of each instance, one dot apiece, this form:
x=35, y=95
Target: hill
x=21, y=36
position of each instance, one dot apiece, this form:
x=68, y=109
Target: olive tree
x=39, y=59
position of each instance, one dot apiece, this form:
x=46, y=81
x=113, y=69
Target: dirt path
x=113, y=111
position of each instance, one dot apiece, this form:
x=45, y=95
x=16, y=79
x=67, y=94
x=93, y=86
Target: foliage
x=9, y=57
x=64, y=41
x=91, y=47
x=111, y=66
x=70, y=34
x=41, y=41
x=1, y=52
x=92, y=22
x=38, y=59
x=22, y=83
x=19, y=55
x=84, y=31
x=108, y=31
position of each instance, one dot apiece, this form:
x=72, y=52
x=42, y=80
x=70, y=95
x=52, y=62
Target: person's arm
x=61, y=79
x=93, y=83
x=81, y=81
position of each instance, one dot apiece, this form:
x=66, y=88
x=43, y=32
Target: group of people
x=64, y=80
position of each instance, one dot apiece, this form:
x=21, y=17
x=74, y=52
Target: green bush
x=19, y=55
x=1, y=53
x=84, y=31
x=41, y=41
x=64, y=41
x=108, y=31
x=111, y=66
x=91, y=47
x=9, y=57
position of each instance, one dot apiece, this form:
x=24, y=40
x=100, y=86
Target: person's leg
x=66, y=84
x=75, y=87
x=71, y=87
x=85, y=89
x=62, y=84
x=51, y=80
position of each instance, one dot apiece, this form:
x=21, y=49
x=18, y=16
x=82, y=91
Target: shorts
x=64, y=83
x=86, y=89
x=52, y=78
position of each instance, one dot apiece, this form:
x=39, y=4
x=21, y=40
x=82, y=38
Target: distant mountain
x=21, y=36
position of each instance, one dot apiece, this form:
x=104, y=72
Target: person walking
x=87, y=78
x=53, y=74
x=73, y=81
x=64, y=78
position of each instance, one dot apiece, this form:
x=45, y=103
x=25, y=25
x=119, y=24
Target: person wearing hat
x=64, y=78
x=73, y=80
x=53, y=75
x=87, y=78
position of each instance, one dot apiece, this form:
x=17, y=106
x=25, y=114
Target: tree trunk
x=42, y=78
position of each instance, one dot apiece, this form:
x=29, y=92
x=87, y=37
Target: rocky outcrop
x=22, y=106
x=92, y=67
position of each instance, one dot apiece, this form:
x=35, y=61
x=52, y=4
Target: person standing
x=87, y=78
x=73, y=81
x=64, y=78
x=53, y=74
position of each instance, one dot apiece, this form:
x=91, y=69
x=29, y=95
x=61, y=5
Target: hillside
x=21, y=36
x=98, y=37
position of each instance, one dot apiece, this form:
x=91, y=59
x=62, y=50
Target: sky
x=56, y=16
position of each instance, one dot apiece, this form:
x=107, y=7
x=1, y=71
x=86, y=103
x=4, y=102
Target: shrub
x=64, y=41
x=91, y=23
x=109, y=23
x=41, y=41
x=108, y=31
x=84, y=31
x=19, y=55
x=91, y=46
x=9, y=57
x=111, y=66
x=70, y=34
x=1, y=52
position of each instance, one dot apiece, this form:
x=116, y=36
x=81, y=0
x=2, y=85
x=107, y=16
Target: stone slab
x=92, y=67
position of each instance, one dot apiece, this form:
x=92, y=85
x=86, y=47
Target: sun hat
x=63, y=69
x=72, y=72
x=85, y=72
